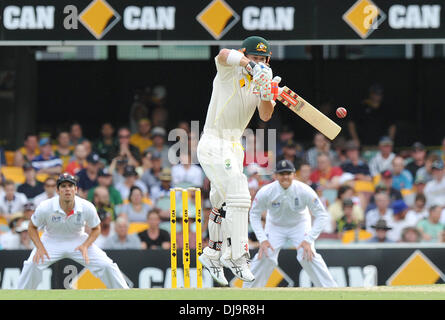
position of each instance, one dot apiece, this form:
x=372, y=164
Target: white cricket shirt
x=288, y=207
x=58, y=225
x=232, y=104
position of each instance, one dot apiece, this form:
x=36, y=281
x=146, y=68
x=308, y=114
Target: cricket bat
x=308, y=112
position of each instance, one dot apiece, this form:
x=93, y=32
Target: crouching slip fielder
x=287, y=201
x=220, y=153
x=64, y=218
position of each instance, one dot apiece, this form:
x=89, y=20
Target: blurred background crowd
x=374, y=191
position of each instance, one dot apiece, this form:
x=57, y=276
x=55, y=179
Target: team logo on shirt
x=297, y=202
x=227, y=164
x=78, y=219
x=56, y=219
x=275, y=204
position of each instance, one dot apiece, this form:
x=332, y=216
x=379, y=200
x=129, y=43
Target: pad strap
x=215, y=216
x=215, y=245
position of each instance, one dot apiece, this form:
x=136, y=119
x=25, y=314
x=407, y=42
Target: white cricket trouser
x=222, y=162
x=278, y=237
x=100, y=264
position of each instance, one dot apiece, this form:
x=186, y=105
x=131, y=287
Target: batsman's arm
x=230, y=57
x=266, y=109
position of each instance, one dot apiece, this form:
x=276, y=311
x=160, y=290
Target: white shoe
x=215, y=269
x=239, y=267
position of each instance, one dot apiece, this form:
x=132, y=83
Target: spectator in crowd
x=418, y=210
x=28, y=152
x=117, y=168
x=426, y=172
x=321, y=145
x=101, y=200
x=325, y=174
x=106, y=227
x=159, y=112
x=49, y=187
x=304, y=174
x=131, y=179
x=25, y=242
x=339, y=148
x=418, y=188
x=107, y=144
x=10, y=240
x=292, y=151
x=121, y=240
x=371, y=119
x=138, y=111
x=12, y=201
x=87, y=177
x=135, y=210
x=431, y=228
x=380, y=234
x=28, y=210
x=382, y=161
x=354, y=164
x=127, y=150
x=78, y=161
x=418, y=156
x=158, y=136
x=411, y=234
x=347, y=221
x=31, y=187
x=105, y=179
x=336, y=208
x=382, y=211
x=285, y=134
x=63, y=149
x=142, y=138
x=399, y=220
x=46, y=162
x=386, y=185
x=402, y=178
x=163, y=189
x=154, y=237
x=435, y=189
x=2, y=157
x=88, y=146
x=76, y=134
x=151, y=167
x=185, y=172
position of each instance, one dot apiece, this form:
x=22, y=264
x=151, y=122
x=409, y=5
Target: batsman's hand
x=84, y=250
x=262, y=74
x=307, y=250
x=264, y=247
x=40, y=255
x=270, y=90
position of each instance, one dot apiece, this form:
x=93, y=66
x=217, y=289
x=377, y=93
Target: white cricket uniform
x=62, y=234
x=288, y=218
x=220, y=152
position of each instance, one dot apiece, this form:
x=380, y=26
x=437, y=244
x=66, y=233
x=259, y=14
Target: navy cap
x=385, y=141
x=398, y=206
x=93, y=158
x=66, y=177
x=130, y=171
x=284, y=166
x=104, y=173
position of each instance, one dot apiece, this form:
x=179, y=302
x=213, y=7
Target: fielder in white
x=287, y=201
x=64, y=218
x=242, y=84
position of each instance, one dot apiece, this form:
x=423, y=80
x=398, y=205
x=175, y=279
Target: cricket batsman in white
x=64, y=218
x=287, y=201
x=242, y=84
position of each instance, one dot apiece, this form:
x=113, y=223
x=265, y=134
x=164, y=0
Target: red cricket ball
x=341, y=112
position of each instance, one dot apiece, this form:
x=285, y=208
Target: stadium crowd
x=377, y=194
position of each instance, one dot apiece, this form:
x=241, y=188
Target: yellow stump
x=185, y=237
x=173, y=237
x=198, y=237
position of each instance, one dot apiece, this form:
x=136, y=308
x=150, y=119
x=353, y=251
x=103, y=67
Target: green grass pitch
x=433, y=292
